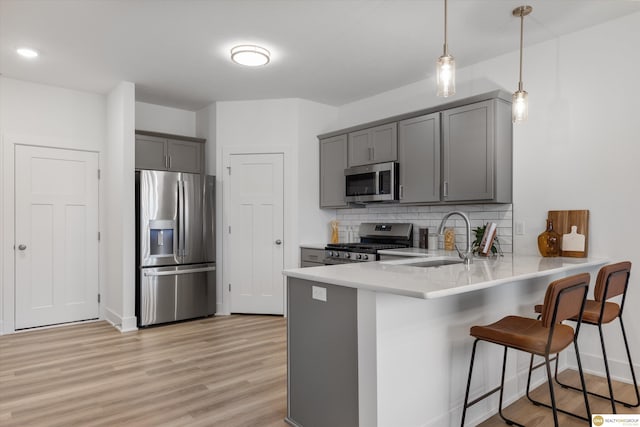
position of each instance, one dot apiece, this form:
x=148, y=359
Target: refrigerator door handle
x=177, y=272
x=181, y=218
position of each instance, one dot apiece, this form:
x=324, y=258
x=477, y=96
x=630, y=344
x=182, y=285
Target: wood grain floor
x=524, y=412
x=223, y=371
x=227, y=371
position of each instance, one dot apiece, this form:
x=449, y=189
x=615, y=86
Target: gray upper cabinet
x=158, y=152
x=476, y=158
x=419, y=159
x=150, y=152
x=373, y=145
x=333, y=162
x=185, y=156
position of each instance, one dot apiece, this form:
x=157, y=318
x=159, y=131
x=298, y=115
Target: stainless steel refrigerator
x=175, y=246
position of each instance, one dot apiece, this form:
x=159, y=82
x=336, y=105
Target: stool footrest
x=484, y=396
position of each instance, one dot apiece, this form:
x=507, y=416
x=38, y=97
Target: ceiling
x=333, y=52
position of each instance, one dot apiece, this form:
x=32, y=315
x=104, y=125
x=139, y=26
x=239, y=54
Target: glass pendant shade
x=446, y=76
x=520, y=106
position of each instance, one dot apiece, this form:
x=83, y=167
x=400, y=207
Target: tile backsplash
x=430, y=217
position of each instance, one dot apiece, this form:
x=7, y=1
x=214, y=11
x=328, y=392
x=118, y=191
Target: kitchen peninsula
x=387, y=343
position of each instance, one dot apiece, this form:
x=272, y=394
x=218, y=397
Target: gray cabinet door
x=360, y=148
x=150, y=153
x=333, y=162
x=419, y=159
x=185, y=156
x=384, y=143
x=468, y=152
x=374, y=145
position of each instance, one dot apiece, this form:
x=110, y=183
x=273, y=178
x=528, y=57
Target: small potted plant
x=496, y=250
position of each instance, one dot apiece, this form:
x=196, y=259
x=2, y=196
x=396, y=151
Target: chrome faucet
x=468, y=255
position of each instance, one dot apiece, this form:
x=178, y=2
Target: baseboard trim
x=123, y=324
x=594, y=364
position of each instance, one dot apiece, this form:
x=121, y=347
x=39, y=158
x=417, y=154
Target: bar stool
x=564, y=299
x=612, y=281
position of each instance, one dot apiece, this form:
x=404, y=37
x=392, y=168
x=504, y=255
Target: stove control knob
x=347, y=255
x=358, y=256
x=365, y=256
x=334, y=254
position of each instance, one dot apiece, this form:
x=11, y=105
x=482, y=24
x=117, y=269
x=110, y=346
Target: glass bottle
x=549, y=241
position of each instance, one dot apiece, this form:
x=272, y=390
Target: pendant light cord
x=521, y=44
x=446, y=46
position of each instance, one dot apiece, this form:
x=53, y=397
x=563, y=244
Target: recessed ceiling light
x=27, y=52
x=250, y=55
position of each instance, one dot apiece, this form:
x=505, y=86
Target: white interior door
x=256, y=233
x=56, y=236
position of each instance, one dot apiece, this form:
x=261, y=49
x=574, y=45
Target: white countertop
x=400, y=278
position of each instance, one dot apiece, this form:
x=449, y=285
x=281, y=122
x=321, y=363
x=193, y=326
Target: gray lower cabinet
x=311, y=257
x=158, y=152
x=419, y=159
x=374, y=145
x=476, y=158
x=333, y=162
x=322, y=362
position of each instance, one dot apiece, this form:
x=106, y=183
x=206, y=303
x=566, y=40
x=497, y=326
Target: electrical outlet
x=519, y=225
x=319, y=293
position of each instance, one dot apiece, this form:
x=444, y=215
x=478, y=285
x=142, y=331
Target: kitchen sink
x=436, y=262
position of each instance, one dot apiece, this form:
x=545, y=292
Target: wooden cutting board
x=562, y=222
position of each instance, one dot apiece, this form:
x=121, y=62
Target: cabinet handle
x=166, y=163
x=401, y=192
x=446, y=189
x=370, y=156
x=169, y=162
x=373, y=153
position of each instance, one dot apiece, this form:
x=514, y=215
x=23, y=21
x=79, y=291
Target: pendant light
x=446, y=66
x=520, y=106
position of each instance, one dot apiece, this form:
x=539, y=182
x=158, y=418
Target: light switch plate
x=319, y=293
x=519, y=228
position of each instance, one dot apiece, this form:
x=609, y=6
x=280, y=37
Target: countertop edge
x=307, y=274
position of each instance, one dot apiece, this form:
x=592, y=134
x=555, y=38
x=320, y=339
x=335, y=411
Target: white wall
x=313, y=223
x=119, y=181
x=578, y=150
x=206, y=128
x=47, y=116
x=288, y=126
x=158, y=118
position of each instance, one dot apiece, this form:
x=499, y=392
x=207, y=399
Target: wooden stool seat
x=525, y=334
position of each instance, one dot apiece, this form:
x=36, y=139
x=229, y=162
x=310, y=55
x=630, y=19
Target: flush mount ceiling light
x=27, y=52
x=520, y=106
x=446, y=66
x=250, y=55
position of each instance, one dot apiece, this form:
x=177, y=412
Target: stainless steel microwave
x=372, y=183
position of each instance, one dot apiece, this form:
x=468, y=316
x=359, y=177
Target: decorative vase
x=549, y=241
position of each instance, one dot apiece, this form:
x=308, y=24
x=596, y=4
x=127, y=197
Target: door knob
x=278, y=242
x=22, y=247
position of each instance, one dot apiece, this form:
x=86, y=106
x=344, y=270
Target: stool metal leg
x=468, y=404
x=582, y=381
x=547, y=364
x=466, y=395
x=606, y=368
x=606, y=364
x=633, y=374
x=504, y=367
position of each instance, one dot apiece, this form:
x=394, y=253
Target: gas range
x=374, y=237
